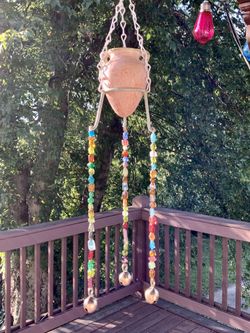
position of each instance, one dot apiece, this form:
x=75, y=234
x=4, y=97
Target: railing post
x=140, y=248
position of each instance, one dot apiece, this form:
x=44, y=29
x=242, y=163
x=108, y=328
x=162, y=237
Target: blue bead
x=153, y=137
x=246, y=51
x=125, y=187
x=91, y=180
x=125, y=136
x=125, y=159
x=152, y=245
x=153, y=167
x=92, y=133
x=152, y=212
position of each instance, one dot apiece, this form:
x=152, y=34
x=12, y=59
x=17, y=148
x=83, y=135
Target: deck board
x=132, y=315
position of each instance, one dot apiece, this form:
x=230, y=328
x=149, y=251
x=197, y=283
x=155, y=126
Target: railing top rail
x=217, y=226
x=44, y=232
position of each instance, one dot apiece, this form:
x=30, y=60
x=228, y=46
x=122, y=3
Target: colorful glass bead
x=151, y=265
x=91, y=158
x=151, y=273
x=152, y=245
x=91, y=245
x=151, y=228
x=153, y=137
x=91, y=133
x=152, y=253
x=91, y=180
x=125, y=135
x=151, y=236
x=91, y=172
x=152, y=212
x=91, y=165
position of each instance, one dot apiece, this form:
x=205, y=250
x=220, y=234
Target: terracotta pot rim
x=127, y=50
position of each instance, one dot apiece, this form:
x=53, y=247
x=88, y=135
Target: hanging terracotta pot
x=124, y=69
x=245, y=10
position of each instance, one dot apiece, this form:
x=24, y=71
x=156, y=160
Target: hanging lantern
x=245, y=10
x=204, y=28
x=124, y=76
x=246, y=51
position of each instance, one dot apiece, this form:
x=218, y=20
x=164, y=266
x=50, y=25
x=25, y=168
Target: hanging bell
x=90, y=304
x=122, y=76
x=125, y=278
x=151, y=295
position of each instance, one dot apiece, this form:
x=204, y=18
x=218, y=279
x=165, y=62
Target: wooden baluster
x=134, y=264
x=177, y=259
x=37, y=312
x=50, y=277
x=147, y=252
x=63, y=273
x=85, y=264
x=157, y=245
x=199, y=266
x=211, y=269
x=97, y=260
x=166, y=257
x=23, y=294
x=238, y=278
x=141, y=250
x=188, y=264
x=7, y=293
x=224, y=272
x=75, y=270
x=117, y=261
x=107, y=259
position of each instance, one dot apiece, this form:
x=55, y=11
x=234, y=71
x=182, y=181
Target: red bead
x=152, y=228
x=125, y=226
x=153, y=220
x=125, y=153
x=91, y=255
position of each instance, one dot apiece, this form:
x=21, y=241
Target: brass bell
x=90, y=304
x=125, y=278
x=151, y=295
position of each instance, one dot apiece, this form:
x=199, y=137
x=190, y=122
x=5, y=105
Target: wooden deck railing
x=186, y=271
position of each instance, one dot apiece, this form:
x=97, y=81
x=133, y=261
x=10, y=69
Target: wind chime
x=124, y=76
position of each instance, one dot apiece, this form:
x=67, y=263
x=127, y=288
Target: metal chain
x=123, y=25
x=120, y=9
x=140, y=41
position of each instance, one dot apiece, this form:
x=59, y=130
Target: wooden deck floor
x=132, y=315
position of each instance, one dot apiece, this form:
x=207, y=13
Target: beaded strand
x=125, y=158
x=91, y=213
x=152, y=218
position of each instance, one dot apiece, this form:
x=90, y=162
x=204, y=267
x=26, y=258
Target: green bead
x=90, y=200
x=91, y=165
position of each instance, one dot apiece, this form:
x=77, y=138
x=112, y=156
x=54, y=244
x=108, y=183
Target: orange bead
x=91, y=187
x=151, y=273
x=125, y=202
x=153, y=205
x=125, y=154
x=153, y=174
x=91, y=158
x=151, y=236
x=152, y=253
x=152, y=192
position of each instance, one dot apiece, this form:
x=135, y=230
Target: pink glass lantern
x=204, y=28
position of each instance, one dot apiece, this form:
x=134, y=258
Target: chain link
x=120, y=9
x=140, y=41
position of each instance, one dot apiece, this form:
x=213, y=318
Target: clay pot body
x=245, y=10
x=124, y=68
